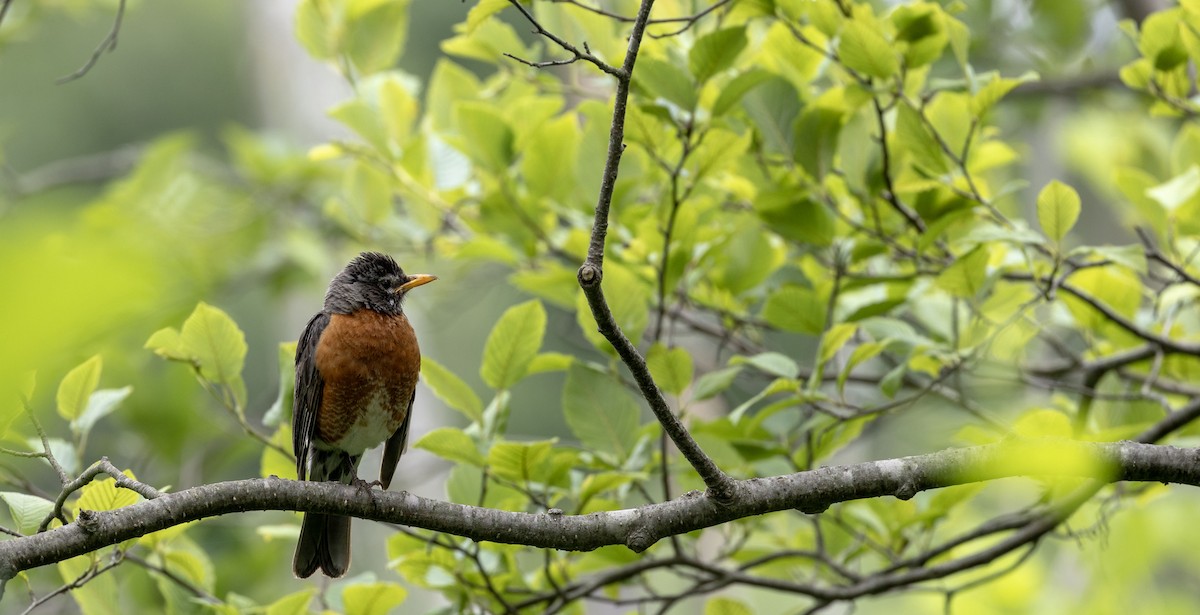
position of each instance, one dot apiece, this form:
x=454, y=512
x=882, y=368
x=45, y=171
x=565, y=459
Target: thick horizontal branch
x=637, y=528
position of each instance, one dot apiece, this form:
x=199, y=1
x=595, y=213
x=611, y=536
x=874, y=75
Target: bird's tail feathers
x=325, y=539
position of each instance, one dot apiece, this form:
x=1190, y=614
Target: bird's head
x=371, y=281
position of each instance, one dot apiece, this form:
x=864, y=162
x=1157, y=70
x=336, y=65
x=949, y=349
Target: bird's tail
x=325, y=539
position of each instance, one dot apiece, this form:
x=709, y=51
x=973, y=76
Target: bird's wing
x=310, y=387
x=396, y=445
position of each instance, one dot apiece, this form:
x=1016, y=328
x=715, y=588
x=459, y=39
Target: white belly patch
x=372, y=427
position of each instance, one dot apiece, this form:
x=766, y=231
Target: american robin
x=356, y=375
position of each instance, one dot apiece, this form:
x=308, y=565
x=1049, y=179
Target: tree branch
x=637, y=528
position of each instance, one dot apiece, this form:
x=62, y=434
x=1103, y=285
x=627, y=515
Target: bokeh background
x=231, y=104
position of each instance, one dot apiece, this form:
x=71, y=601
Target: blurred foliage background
x=177, y=171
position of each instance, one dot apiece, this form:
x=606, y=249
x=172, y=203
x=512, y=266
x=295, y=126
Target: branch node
x=814, y=508
x=639, y=540
x=590, y=275
x=723, y=493
x=906, y=491
x=87, y=521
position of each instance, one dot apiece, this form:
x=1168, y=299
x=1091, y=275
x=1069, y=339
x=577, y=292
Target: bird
x=357, y=365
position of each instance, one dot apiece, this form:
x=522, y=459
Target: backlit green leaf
x=100, y=404
x=451, y=389
x=967, y=275
x=373, y=598
x=512, y=344
x=796, y=308
x=716, y=51
x=452, y=444
x=215, y=343
x=27, y=510
x=104, y=494
x=671, y=368
x=520, y=462
x=600, y=411
x=77, y=386
x=374, y=33
x=864, y=49
x=1058, y=209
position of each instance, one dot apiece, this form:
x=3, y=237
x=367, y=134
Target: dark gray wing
x=310, y=387
x=396, y=446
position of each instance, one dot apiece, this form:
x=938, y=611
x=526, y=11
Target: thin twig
x=108, y=44
x=592, y=271
x=100, y=467
x=47, y=452
x=584, y=54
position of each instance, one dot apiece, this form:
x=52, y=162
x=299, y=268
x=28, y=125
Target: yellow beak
x=415, y=280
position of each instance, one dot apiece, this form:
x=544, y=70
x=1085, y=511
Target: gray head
x=371, y=281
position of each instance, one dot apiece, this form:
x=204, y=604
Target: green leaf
x=99, y=596
x=796, y=308
x=487, y=138
x=167, y=344
x=369, y=191
x=600, y=411
x=550, y=362
x=1178, y=190
x=671, y=368
x=892, y=380
x=995, y=89
x=716, y=51
x=374, y=33
x=274, y=462
x=281, y=409
x=833, y=340
x=726, y=606
x=595, y=484
x=714, y=383
x=364, y=120
x=552, y=282
x=315, y=27
x=512, y=344
x=520, y=462
x=214, y=341
x=865, y=50
x=550, y=148
x=482, y=11
x=292, y=604
x=772, y=363
x=104, y=494
x=665, y=80
x=27, y=511
x=100, y=404
x=737, y=88
x=966, y=276
x=451, y=389
x=1043, y=423
x=816, y=139
x=1057, y=209
x=398, y=109
x=453, y=444
x=862, y=354
x=795, y=216
x=77, y=386
x=372, y=598
x=913, y=136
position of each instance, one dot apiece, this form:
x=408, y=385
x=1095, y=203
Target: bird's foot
x=363, y=485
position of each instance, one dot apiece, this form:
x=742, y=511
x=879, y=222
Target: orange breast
x=370, y=364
